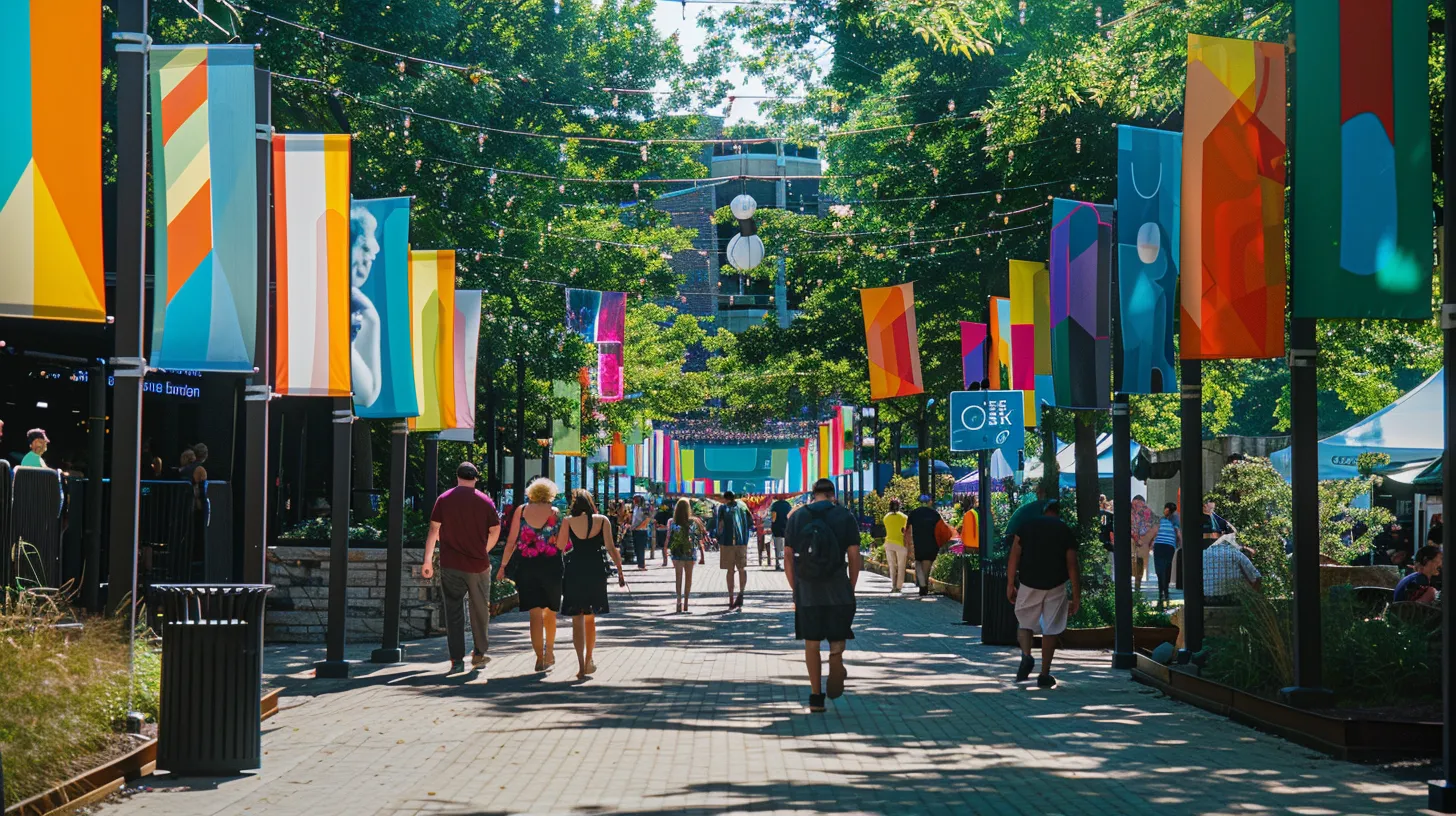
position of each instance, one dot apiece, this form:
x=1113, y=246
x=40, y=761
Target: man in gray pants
x=467, y=526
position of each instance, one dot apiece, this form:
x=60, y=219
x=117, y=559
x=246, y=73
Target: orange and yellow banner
x=891, y=340
x=432, y=308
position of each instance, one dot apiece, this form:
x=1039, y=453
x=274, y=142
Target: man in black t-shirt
x=779, y=524
x=920, y=540
x=664, y=515
x=1044, y=557
x=823, y=606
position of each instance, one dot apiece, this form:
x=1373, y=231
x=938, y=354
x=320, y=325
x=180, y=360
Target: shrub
x=322, y=529
x=877, y=553
x=947, y=568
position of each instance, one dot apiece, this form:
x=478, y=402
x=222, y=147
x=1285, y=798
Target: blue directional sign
x=986, y=420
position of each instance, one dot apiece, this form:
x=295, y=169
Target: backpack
x=817, y=549
x=680, y=544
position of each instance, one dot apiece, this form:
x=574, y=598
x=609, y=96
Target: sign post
x=984, y=422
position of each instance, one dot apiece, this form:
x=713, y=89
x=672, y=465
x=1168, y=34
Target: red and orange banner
x=890, y=337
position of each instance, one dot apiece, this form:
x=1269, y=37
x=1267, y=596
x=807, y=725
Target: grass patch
x=63, y=691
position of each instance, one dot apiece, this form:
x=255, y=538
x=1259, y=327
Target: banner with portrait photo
x=379, y=309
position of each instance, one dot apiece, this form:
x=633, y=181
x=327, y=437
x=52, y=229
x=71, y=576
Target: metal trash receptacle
x=998, y=624
x=212, y=677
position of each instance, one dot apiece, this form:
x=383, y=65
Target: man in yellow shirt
x=895, y=552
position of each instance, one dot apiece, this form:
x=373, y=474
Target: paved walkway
x=704, y=714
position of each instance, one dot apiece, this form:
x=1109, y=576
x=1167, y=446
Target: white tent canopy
x=1067, y=464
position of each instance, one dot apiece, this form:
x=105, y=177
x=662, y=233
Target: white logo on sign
x=979, y=415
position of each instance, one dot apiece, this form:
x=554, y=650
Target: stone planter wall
x=298, y=606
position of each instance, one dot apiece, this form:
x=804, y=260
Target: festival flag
x=612, y=318
x=973, y=354
x=383, y=370
x=566, y=427
x=846, y=446
x=1362, y=203
x=890, y=337
x=311, y=240
x=1081, y=294
x=51, y=216
x=1149, y=199
x=467, y=346
x=1232, y=239
x=582, y=308
x=205, y=200
x=1031, y=350
x=1000, y=324
x=617, y=456
x=609, y=372
x=825, y=452
x=432, y=283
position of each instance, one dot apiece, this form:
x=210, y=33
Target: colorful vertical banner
x=466, y=351
x=432, y=305
x=836, y=441
x=1081, y=293
x=612, y=318
x=205, y=200
x=582, y=308
x=383, y=369
x=1000, y=322
x=892, y=341
x=609, y=372
x=51, y=149
x=617, y=455
x=847, y=415
x=1030, y=335
x=1149, y=204
x=1362, y=204
x=973, y=354
x=1232, y=238
x=311, y=240
x=566, y=428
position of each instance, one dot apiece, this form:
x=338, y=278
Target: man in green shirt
x=38, y=443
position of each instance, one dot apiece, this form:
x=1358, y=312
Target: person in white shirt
x=1225, y=569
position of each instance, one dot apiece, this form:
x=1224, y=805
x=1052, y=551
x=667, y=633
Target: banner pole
x=257, y=394
x=390, y=650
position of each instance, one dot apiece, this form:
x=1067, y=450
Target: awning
x=1067, y=463
x=1430, y=480
x=1405, y=474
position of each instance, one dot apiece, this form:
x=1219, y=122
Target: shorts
x=733, y=556
x=831, y=623
x=1043, y=611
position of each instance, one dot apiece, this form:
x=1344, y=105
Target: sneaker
x=1045, y=681
x=457, y=667
x=816, y=703
x=1024, y=670
x=479, y=661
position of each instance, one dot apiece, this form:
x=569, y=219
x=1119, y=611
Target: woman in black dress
x=535, y=539
x=586, y=538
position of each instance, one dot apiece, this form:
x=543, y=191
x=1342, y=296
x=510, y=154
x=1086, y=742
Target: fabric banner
x=617, y=455
x=836, y=441
x=432, y=305
x=612, y=318
x=1081, y=293
x=973, y=354
x=1232, y=238
x=824, y=454
x=205, y=204
x=1000, y=324
x=1031, y=353
x=1362, y=202
x=892, y=342
x=1149, y=203
x=582, y=308
x=383, y=367
x=609, y=372
x=311, y=240
x=846, y=449
x=51, y=149
x=566, y=428
x=466, y=348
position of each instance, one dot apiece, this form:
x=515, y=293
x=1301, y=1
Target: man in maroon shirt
x=467, y=526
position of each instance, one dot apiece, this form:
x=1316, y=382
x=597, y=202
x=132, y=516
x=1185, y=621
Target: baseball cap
x=925, y=497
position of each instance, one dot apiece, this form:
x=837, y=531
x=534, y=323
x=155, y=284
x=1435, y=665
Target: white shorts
x=1043, y=611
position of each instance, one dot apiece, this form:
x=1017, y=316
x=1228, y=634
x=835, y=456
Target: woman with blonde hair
x=685, y=534
x=535, y=539
x=585, y=537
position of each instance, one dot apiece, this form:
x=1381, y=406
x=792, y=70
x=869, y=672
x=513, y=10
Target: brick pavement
x=704, y=714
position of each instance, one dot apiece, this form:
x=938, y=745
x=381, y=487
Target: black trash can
x=212, y=677
x=970, y=590
x=998, y=627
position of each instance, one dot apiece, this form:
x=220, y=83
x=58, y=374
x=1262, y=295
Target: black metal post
x=977, y=615
x=432, y=472
x=584, y=484
x=96, y=452
x=875, y=455
x=390, y=650
x=1442, y=792
x=857, y=478
x=257, y=393
x=922, y=452
x=128, y=366
x=1123, y=656
x=520, y=461
x=334, y=665
x=492, y=438
x=1304, y=470
x=1191, y=504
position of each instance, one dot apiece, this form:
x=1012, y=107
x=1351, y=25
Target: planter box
x=948, y=590
x=1144, y=638
x=1345, y=738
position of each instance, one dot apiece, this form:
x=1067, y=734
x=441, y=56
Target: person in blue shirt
x=1416, y=587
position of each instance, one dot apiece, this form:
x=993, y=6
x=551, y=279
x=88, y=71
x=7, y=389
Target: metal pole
x=432, y=472
x=492, y=440
x=1304, y=467
x=875, y=455
x=128, y=367
x=520, y=461
x=1442, y=793
x=976, y=615
x=334, y=665
x=390, y=650
x=1123, y=656
x=96, y=447
x=1191, y=505
x=257, y=393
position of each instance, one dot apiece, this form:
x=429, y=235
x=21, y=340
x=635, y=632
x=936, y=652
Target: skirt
x=584, y=586
x=538, y=582
x=831, y=623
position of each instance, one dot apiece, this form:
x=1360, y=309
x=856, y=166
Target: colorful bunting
x=1149, y=201
x=383, y=370
x=1081, y=293
x=432, y=282
x=890, y=336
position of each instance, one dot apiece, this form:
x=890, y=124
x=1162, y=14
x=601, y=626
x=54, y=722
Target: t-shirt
x=836, y=590
x=1409, y=586
x=1226, y=569
x=1214, y=527
x=663, y=517
x=466, y=517
x=923, y=521
x=1104, y=527
x=731, y=522
x=1167, y=532
x=895, y=527
x=1045, y=542
x=1026, y=512
x=32, y=459
x=779, y=511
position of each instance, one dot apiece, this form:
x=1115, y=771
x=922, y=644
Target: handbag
x=943, y=533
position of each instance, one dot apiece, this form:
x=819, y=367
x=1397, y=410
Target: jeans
x=639, y=543
x=456, y=586
x=1163, y=564
x=896, y=555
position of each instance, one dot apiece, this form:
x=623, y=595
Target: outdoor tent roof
x=1410, y=430
x=1067, y=462
x=1430, y=480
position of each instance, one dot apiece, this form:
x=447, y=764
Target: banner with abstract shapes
x=1149, y=204
x=612, y=318
x=609, y=372
x=973, y=354
x=1232, y=238
x=1031, y=353
x=1362, y=203
x=383, y=367
x=51, y=149
x=846, y=449
x=892, y=342
x=311, y=241
x=1000, y=325
x=432, y=305
x=466, y=351
x=205, y=199
x=1081, y=293
x=566, y=428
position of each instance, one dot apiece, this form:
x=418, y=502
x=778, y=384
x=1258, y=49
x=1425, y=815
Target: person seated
x=1226, y=569
x=1416, y=587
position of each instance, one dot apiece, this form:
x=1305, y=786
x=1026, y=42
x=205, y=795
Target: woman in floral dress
x=533, y=540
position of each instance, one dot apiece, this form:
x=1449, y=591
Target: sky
x=669, y=19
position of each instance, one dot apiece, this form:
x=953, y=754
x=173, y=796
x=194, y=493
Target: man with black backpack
x=822, y=564
x=732, y=528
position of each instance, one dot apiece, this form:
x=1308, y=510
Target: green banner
x=566, y=429
x=1362, y=161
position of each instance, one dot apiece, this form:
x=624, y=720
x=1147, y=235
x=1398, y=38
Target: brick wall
x=298, y=606
x=693, y=209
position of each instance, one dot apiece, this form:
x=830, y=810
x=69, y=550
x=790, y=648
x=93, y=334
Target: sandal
x=837, y=675
x=816, y=704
